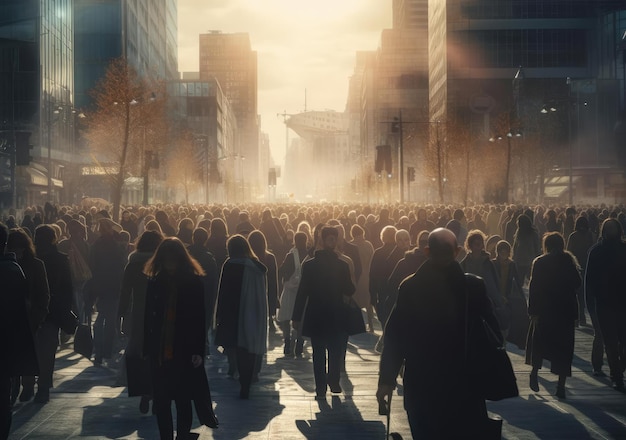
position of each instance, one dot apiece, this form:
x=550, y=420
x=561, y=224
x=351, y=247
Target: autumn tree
x=128, y=117
x=184, y=171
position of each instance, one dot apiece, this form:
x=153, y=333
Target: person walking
x=526, y=245
x=579, y=243
x=324, y=288
x=553, y=310
x=37, y=298
x=366, y=252
x=174, y=338
x=241, y=312
x=61, y=297
x=290, y=273
x=605, y=279
x=107, y=260
x=19, y=351
x=132, y=307
x=427, y=331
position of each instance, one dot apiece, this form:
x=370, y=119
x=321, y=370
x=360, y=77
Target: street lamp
x=509, y=135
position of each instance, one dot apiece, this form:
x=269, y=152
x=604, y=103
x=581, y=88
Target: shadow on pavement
x=340, y=419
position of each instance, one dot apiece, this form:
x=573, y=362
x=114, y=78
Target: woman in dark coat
x=579, y=243
x=216, y=244
x=37, y=298
x=553, y=310
x=61, y=298
x=133, y=305
x=259, y=247
x=174, y=338
x=242, y=294
x=526, y=245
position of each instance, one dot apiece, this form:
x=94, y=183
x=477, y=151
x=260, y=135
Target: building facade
x=229, y=58
x=202, y=108
x=543, y=73
x=37, y=105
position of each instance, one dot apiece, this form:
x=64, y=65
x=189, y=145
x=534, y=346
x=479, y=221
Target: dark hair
x=553, y=243
x=45, y=235
x=238, y=247
x=19, y=239
x=611, y=230
x=258, y=243
x=327, y=231
x=218, y=228
x=473, y=236
x=357, y=231
x=300, y=238
x=582, y=224
x=200, y=236
x=149, y=241
x=172, y=247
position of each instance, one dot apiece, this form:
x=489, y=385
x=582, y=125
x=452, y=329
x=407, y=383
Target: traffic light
x=395, y=125
x=383, y=159
x=22, y=148
x=410, y=174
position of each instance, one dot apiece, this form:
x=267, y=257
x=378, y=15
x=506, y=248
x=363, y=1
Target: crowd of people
x=174, y=278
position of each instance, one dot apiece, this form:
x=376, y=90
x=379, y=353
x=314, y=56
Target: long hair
x=258, y=243
x=218, y=228
x=172, y=247
x=238, y=247
x=553, y=243
x=19, y=239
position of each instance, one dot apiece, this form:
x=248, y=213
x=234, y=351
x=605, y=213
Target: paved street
x=86, y=403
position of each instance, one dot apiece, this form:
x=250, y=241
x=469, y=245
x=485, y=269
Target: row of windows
x=502, y=9
x=525, y=47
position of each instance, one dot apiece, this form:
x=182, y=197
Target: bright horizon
x=305, y=46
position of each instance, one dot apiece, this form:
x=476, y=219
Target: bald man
x=426, y=330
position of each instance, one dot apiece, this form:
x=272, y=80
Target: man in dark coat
x=19, y=353
x=605, y=279
x=210, y=280
x=325, y=285
x=426, y=329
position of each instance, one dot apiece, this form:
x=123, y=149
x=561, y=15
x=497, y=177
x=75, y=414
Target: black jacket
x=324, y=282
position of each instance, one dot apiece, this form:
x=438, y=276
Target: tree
x=183, y=168
x=129, y=113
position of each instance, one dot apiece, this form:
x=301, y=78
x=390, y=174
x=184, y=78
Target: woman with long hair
x=241, y=312
x=20, y=243
x=216, y=243
x=133, y=305
x=526, y=245
x=259, y=247
x=174, y=338
x=553, y=310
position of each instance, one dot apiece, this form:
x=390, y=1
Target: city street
x=86, y=403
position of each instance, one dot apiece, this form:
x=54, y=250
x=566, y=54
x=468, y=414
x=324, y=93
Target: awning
x=40, y=178
x=554, y=192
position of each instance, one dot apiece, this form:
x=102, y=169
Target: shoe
x=560, y=392
x=287, y=347
x=42, y=396
x=144, y=405
x=534, y=382
x=379, y=345
x=320, y=396
x=27, y=394
x=97, y=362
x=335, y=388
x=299, y=347
x=618, y=385
x=244, y=394
x=599, y=373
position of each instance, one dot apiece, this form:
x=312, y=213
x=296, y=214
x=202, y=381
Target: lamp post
x=509, y=148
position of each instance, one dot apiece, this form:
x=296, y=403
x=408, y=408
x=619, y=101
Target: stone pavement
x=86, y=403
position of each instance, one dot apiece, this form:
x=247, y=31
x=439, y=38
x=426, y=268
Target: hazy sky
x=301, y=44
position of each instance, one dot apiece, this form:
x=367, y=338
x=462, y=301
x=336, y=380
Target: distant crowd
x=174, y=278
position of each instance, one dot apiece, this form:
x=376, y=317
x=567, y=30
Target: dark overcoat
x=552, y=299
x=189, y=335
x=60, y=282
x=324, y=282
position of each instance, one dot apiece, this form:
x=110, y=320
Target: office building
x=36, y=100
x=229, y=58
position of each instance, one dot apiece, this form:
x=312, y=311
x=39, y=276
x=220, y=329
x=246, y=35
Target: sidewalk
x=86, y=403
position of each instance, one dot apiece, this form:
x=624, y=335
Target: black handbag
x=353, y=318
x=139, y=376
x=83, y=341
x=68, y=322
x=488, y=365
